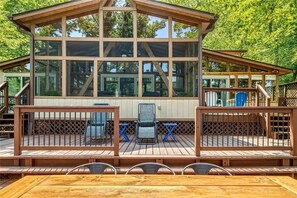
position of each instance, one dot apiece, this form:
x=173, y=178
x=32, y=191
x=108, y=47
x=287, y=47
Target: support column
x=200, y=68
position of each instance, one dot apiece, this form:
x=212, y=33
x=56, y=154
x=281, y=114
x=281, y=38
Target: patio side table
x=123, y=127
x=170, y=127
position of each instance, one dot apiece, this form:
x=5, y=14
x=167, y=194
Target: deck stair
x=280, y=126
x=7, y=125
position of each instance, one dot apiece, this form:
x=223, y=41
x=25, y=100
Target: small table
x=170, y=127
x=123, y=127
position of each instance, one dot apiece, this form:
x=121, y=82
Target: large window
x=152, y=49
x=185, y=79
x=118, y=24
x=51, y=30
x=48, y=78
x=180, y=30
x=217, y=66
x=118, y=49
x=84, y=26
x=80, y=75
x=152, y=27
x=82, y=48
x=48, y=48
x=155, y=81
x=185, y=49
x=118, y=79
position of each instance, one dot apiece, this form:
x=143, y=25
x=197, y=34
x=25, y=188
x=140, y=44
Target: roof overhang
x=244, y=61
x=51, y=14
x=54, y=13
x=190, y=16
x=14, y=62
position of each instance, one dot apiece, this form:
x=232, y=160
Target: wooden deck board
x=183, y=147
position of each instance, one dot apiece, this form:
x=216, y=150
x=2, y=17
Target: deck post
x=116, y=131
x=198, y=122
x=293, y=131
x=6, y=98
x=17, y=131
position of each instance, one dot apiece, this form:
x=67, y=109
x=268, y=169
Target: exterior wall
x=167, y=109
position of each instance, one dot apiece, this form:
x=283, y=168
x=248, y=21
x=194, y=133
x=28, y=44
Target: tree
x=13, y=43
x=267, y=29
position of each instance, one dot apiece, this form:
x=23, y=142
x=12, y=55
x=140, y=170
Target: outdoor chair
x=240, y=99
x=211, y=99
x=146, y=124
x=150, y=168
x=98, y=126
x=92, y=168
x=204, y=168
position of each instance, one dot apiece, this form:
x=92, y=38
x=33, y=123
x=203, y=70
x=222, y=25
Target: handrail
x=261, y=90
x=20, y=93
x=240, y=111
x=233, y=89
x=4, y=89
x=230, y=89
x=70, y=113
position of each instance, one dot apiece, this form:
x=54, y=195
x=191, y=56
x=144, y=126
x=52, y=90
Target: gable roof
x=53, y=13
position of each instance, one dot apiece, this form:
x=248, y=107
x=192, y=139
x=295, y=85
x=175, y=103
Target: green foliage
x=266, y=28
x=13, y=43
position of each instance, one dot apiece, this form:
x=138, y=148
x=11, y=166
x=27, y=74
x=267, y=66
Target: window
x=155, y=79
x=152, y=27
x=80, y=78
x=185, y=79
x=180, y=30
x=51, y=30
x=48, y=48
x=185, y=49
x=118, y=24
x=82, y=48
x=48, y=78
x=84, y=26
x=118, y=49
x=152, y=49
x=121, y=3
x=238, y=68
x=217, y=66
x=118, y=79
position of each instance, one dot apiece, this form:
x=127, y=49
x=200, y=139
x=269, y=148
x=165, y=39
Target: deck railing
x=65, y=128
x=245, y=128
x=226, y=97
x=4, y=97
x=22, y=97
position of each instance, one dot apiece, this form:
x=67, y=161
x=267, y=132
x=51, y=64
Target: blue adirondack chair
x=97, y=128
x=240, y=99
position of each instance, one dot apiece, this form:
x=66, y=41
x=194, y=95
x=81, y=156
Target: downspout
x=200, y=54
x=27, y=31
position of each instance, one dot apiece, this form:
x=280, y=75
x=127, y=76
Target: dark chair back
x=204, y=168
x=94, y=168
x=150, y=168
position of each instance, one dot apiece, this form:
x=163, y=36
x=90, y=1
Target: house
x=126, y=52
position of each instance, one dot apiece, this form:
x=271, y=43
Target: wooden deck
x=183, y=147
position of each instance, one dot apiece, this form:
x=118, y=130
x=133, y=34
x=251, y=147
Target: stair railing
x=263, y=99
x=22, y=97
x=4, y=98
